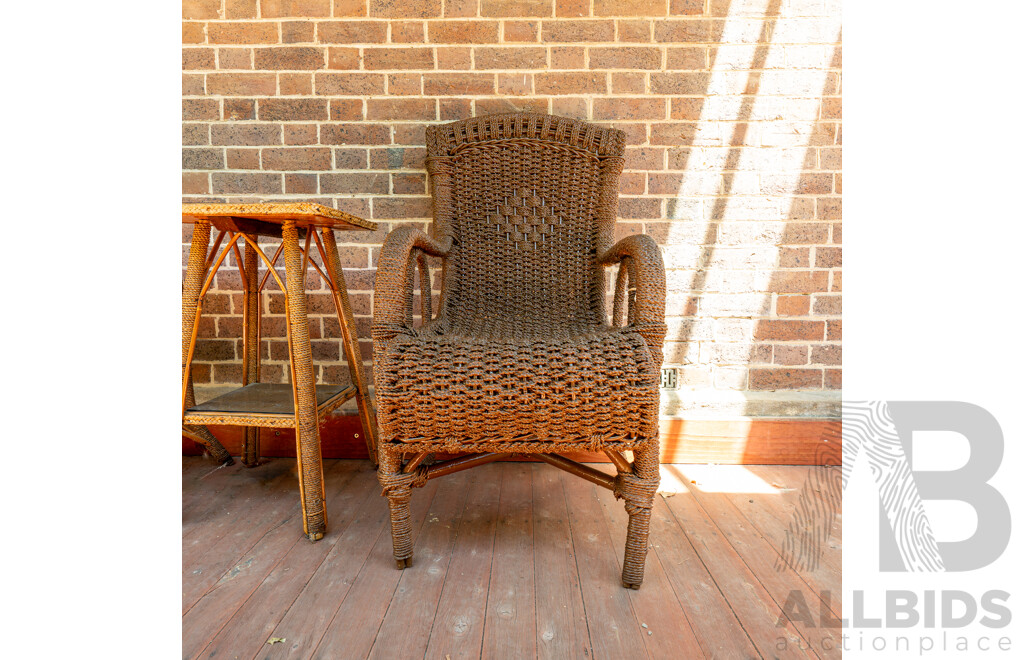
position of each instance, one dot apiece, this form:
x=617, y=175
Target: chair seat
x=596, y=387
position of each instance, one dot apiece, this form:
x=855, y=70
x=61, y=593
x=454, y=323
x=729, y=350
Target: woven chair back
x=529, y=201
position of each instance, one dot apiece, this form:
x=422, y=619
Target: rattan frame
x=551, y=158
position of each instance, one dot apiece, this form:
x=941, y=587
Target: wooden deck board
x=510, y=560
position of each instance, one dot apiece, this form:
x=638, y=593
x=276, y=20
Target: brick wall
x=732, y=112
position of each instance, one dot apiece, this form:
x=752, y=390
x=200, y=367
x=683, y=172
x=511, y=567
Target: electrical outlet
x=668, y=378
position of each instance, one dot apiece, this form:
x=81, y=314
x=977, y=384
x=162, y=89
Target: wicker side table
x=301, y=405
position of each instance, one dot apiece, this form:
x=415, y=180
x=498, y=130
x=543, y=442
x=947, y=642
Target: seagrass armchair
x=521, y=357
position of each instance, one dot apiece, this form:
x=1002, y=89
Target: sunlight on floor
x=714, y=479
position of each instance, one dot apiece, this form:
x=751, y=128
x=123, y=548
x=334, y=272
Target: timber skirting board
x=794, y=441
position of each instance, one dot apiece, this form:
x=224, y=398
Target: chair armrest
x=393, y=291
x=640, y=259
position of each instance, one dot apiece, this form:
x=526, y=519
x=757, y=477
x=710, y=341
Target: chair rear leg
x=638, y=488
x=398, y=489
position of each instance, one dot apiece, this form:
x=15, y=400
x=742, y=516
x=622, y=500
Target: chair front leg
x=638, y=488
x=398, y=487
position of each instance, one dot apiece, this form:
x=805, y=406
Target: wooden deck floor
x=512, y=560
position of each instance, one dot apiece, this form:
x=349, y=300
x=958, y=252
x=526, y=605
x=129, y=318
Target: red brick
x=455, y=109
x=405, y=84
x=304, y=184
x=827, y=354
x=297, y=32
x=401, y=109
x=354, y=134
x=685, y=7
x=295, y=84
x=242, y=84
x=831, y=158
x=350, y=159
x=352, y=32
x=292, y=109
x=395, y=158
x=198, y=9
x=794, y=257
x=350, y=183
x=511, y=8
x=693, y=84
x=828, y=305
x=246, y=134
x=568, y=57
x=405, y=9
x=790, y=355
x=644, y=158
x=631, y=183
x=300, y=134
x=514, y=84
x=792, y=305
x=350, y=8
x=195, y=183
x=686, y=108
x=578, y=31
x=408, y=32
x=798, y=281
x=785, y=379
x=572, y=8
x=398, y=58
x=457, y=84
x=255, y=183
x=300, y=158
x=342, y=58
x=629, y=7
x=828, y=257
x=410, y=134
x=408, y=184
x=520, y=31
x=790, y=330
x=510, y=104
x=571, y=83
x=192, y=109
x=572, y=107
x=240, y=9
x=687, y=31
x=633, y=31
x=455, y=58
x=192, y=85
x=348, y=84
x=243, y=159
x=193, y=33
x=197, y=58
x=510, y=58
x=834, y=379
x=629, y=109
x=463, y=32
x=639, y=207
x=288, y=8
x=673, y=133
x=234, y=58
x=634, y=57
x=239, y=109
x=242, y=33
x=628, y=83
x=686, y=58
x=805, y=233
x=402, y=207
x=460, y=8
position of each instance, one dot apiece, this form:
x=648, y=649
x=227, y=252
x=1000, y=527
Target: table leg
x=193, y=286
x=350, y=340
x=251, y=343
x=307, y=431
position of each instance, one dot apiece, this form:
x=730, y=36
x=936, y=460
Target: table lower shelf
x=264, y=404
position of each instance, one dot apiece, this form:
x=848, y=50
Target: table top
x=304, y=214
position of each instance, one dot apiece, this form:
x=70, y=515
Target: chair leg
x=398, y=489
x=638, y=488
